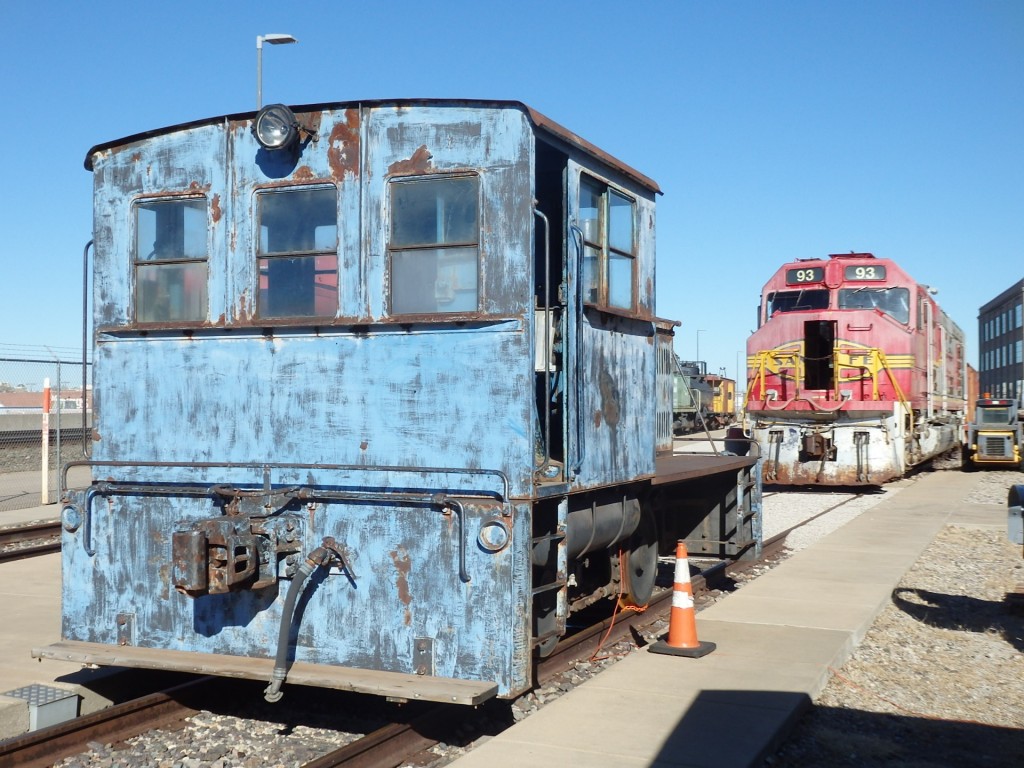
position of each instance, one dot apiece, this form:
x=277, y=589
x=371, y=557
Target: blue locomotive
x=381, y=398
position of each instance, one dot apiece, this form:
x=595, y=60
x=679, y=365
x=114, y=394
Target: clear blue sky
x=777, y=130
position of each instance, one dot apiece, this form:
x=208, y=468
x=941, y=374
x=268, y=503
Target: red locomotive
x=855, y=373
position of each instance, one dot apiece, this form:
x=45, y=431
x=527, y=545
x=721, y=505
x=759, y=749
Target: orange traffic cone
x=682, y=624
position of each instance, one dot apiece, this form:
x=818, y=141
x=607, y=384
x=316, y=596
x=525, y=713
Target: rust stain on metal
x=303, y=173
x=418, y=163
x=609, y=398
x=310, y=121
x=215, y=210
x=597, y=418
x=400, y=559
x=364, y=445
x=343, y=152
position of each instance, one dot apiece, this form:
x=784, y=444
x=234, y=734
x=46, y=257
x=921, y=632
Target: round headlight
x=276, y=127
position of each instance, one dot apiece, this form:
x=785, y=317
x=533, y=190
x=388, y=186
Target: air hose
x=321, y=556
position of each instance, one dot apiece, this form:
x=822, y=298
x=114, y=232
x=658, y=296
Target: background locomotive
x=855, y=373
x=691, y=397
x=701, y=400
x=380, y=398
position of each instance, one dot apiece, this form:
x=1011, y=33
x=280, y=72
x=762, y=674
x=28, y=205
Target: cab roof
x=540, y=121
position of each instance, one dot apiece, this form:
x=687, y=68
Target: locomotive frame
x=380, y=399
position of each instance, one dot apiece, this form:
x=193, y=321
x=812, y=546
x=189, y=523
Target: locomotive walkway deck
x=776, y=640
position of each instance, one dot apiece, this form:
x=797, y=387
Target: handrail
x=872, y=361
x=547, y=340
x=86, y=443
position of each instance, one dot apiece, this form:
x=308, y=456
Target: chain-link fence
x=45, y=421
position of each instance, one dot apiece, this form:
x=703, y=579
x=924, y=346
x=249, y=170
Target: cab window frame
x=296, y=269
x=610, y=245
x=170, y=260
x=450, y=259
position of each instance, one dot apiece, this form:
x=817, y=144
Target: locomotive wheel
x=640, y=566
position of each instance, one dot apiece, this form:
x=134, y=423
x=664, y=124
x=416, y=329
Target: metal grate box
x=46, y=705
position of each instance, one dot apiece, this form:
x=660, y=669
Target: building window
x=434, y=245
x=171, y=260
x=608, y=221
x=1020, y=315
x=297, y=252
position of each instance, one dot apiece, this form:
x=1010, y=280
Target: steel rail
x=42, y=748
x=29, y=539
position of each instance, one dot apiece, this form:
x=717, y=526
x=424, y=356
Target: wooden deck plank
x=379, y=683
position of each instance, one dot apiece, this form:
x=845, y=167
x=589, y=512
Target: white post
x=45, y=484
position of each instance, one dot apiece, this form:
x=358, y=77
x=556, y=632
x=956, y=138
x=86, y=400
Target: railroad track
x=423, y=725
x=29, y=539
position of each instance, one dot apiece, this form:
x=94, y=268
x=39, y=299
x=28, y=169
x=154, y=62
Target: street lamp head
x=274, y=39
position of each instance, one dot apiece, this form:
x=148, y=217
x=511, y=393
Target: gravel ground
x=784, y=510
x=939, y=678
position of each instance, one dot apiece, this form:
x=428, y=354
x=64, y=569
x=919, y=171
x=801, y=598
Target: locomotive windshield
x=894, y=302
x=994, y=414
x=797, y=301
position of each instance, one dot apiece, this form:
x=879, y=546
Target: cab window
x=797, y=301
x=434, y=245
x=607, y=219
x=171, y=260
x=894, y=302
x=298, y=253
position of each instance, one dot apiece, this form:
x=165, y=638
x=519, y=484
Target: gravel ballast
x=939, y=678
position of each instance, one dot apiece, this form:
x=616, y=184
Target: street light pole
x=274, y=39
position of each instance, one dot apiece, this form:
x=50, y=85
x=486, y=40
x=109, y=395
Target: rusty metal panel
x=619, y=367
x=497, y=145
x=404, y=585
x=190, y=165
